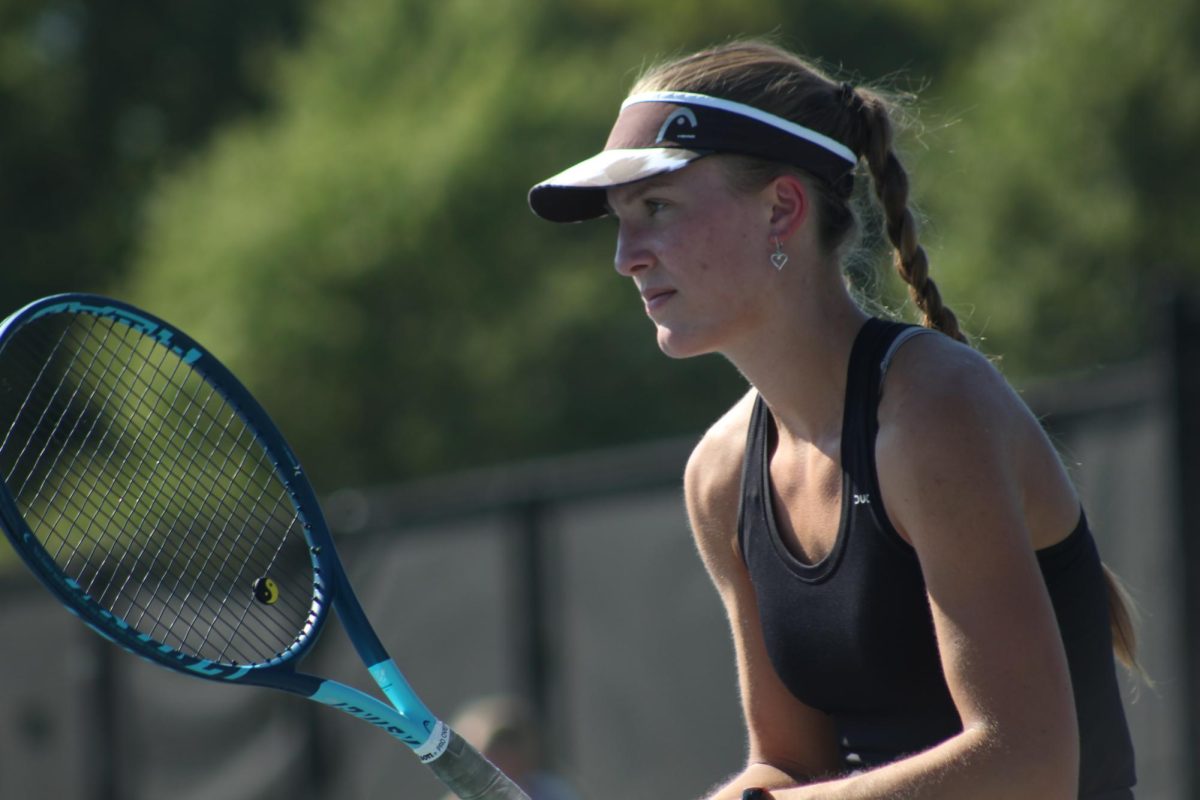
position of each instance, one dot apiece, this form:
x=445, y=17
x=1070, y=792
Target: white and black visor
x=660, y=132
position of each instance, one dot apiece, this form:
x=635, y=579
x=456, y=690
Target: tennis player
x=917, y=604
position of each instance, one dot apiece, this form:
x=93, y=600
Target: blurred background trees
x=330, y=195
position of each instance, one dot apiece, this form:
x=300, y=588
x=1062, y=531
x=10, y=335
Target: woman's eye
x=654, y=206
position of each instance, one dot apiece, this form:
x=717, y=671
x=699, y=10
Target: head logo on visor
x=661, y=132
x=673, y=128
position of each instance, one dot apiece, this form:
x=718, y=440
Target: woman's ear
x=789, y=204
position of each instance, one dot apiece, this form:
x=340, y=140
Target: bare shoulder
x=949, y=419
x=946, y=414
x=936, y=387
x=714, y=468
x=712, y=484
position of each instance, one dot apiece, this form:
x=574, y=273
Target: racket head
x=150, y=492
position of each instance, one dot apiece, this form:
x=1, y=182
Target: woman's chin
x=676, y=344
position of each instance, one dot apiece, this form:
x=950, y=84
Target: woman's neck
x=797, y=360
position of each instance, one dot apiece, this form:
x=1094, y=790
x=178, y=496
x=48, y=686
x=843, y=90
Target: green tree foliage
x=1064, y=200
x=365, y=258
x=95, y=98
x=359, y=251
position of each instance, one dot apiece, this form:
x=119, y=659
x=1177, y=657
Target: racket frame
x=407, y=719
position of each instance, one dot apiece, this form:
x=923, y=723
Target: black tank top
x=852, y=635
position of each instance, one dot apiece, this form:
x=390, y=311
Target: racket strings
x=88, y=468
x=110, y=450
x=159, y=617
x=183, y=594
x=190, y=553
x=181, y=510
x=247, y=541
x=47, y=408
x=148, y=489
x=242, y=450
x=85, y=507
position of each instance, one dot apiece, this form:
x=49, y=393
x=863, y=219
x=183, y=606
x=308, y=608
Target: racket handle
x=471, y=776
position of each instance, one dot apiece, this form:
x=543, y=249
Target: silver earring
x=778, y=258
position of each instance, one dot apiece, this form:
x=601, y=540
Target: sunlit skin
x=967, y=476
x=699, y=255
x=683, y=239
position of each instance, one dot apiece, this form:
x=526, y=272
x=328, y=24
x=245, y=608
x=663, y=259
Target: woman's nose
x=632, y=255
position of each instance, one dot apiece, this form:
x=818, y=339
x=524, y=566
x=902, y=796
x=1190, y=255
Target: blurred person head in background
x=505, y=729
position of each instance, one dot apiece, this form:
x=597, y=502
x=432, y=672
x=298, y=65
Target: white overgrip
x=436, y=744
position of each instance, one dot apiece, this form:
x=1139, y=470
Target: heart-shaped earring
x=778, y=258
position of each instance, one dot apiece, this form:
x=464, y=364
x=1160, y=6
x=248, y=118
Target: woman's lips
x=656, y=298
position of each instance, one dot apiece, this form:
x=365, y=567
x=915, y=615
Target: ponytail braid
x=891, y=188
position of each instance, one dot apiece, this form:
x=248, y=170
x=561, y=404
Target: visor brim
x=579, y=193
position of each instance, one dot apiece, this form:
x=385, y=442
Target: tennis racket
x=153, y=496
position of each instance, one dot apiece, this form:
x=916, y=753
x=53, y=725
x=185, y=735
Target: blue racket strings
x=150, y=491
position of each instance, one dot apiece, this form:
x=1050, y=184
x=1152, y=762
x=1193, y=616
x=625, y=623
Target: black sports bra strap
x=873, y=346
x=754, y=457
x=868, y=360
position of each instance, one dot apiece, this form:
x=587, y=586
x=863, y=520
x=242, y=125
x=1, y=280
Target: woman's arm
x=953, y=463
x=789, y=742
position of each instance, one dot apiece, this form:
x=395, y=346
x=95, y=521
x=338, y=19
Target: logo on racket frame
x=160, y=333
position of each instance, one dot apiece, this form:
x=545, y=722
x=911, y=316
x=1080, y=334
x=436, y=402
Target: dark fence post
x=531, y=574
x=1185, y=368
x=104, y=756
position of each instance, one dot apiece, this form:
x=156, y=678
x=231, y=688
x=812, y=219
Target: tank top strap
x=873, y=349
x=871, y=354
x=752, y=468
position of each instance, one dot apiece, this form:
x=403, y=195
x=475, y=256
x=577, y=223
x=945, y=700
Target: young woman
x=917, y=604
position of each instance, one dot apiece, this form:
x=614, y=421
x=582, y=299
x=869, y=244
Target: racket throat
x=423, y=735
x=397, y=689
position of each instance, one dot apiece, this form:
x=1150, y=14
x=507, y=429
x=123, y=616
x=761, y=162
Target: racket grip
x=471, y=776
